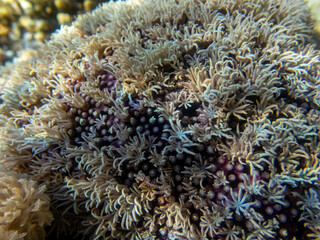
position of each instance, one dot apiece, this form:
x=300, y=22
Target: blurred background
x=26, y=23
x=315, y=10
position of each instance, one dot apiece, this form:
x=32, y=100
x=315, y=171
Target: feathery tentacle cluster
x=24, y=207
x=173, y=120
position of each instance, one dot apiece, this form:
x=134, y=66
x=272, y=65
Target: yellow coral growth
x=24, y=207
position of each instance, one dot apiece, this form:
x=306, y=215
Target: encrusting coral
x=187, y=119
x=24, y=207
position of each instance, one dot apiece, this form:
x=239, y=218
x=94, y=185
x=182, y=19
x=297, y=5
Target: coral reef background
x=26, y=23
x=187, y=119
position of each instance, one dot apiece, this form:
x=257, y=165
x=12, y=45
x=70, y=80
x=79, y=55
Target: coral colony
x=169, y=119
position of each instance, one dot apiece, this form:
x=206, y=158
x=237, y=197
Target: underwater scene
x=160, y=120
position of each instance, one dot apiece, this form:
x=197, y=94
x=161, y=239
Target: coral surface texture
x=167, y=120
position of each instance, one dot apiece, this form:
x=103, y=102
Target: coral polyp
x=172, y=120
